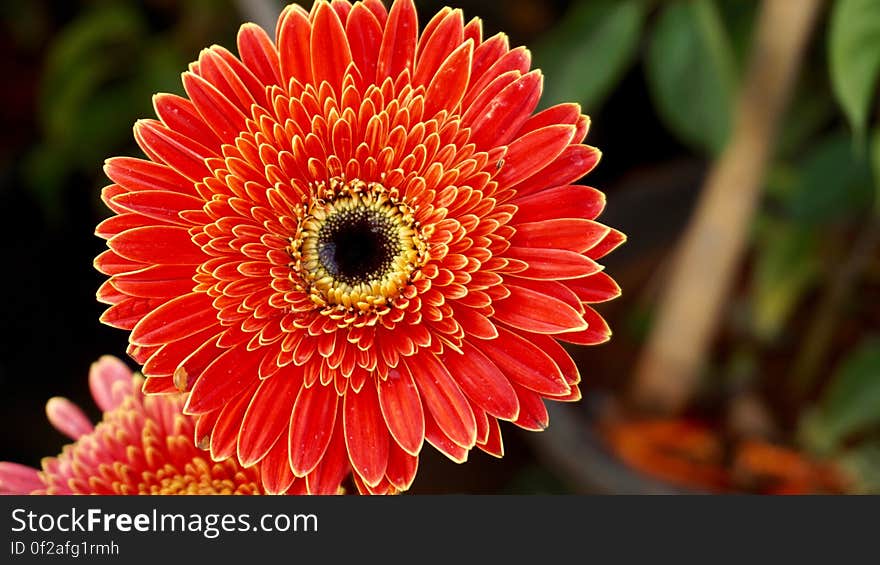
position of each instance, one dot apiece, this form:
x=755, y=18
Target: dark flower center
x=358, y=245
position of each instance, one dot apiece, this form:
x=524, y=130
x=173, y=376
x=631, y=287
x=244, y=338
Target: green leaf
x=854, y=56
x=851, y=403
x=589, y=52
x=875, y=165
x=788, y=265
x=691, y=72
x=834, y=183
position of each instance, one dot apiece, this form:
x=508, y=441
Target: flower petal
x=573, y=163
x=275, y=473
x=334, y=466
x=222, y=380
x=366, y=436
x=68, y=418
x=561, y=233
x=330, y=51
x=178, y=318
x=398, y=48
x=267, y=416
x=448, y=86
x=482, y=381
x=524, y=363
x=179, y=152
x=553, y=264
x=292, y=35
x=159, y=244
x=401, y=407
x=311, y=427
x=533, y=311
x=402, y=466
x=104, y=374
x=567, y=201
x=529, y=153
x=444, y=399
x=18, y=479
x=365, y=38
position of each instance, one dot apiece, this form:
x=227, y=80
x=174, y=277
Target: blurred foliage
x=691, y=71
x=855, y=58
x=100, y=71
x=851, y=403
x=814, y=239
x=585, y=67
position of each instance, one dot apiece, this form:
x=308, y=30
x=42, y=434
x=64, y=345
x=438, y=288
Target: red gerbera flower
x=142, y=446
x=354, y=239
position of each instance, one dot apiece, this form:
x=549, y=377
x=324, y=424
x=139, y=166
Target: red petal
x=174, y=149
x=533, y=311
x=402, y=468
x=138, y=174
x=225, y=434
x=506, y=113
x=493, y=444
x=559, y=355
x=258, y=54
x=607, y=245
x=180, y=115
x=268, y=416
x=109, y=263
x=229, y=75
x=158, y=204
x=365, y=38
x=532, y=412
x=482, y=381
x=441, y=442
x=443, y=34
x=333, y=468
x=293, y=33
x=597, y=330
x=525, y=363
x=219, y=112
x=158, y=281
x=311, y=427
x=475, y=324
x=568, y=201
x=553, y=264
x=401, y=407
x=366, y=436
x=176, y=319
x=222, y=380
x=275, y=473
x=126, y=314
x=329, y=47
x=532, y=152
x=399, y=40
x=448, y=86
x=444, y=399
x=574, y=162
x=168, y=245
x=166, y=360
x=569, y=113
x=561, y=233
x=595, y=288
